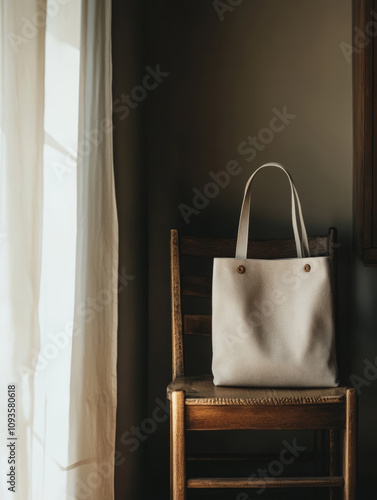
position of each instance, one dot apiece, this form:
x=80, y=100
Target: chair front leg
x=350, y=447
x=177, y=448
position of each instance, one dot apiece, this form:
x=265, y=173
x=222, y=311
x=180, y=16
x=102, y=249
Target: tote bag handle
x=302, y=244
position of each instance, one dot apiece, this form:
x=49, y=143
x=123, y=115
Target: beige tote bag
x=273, y=320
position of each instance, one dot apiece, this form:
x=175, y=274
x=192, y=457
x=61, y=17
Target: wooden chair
x=197, y=405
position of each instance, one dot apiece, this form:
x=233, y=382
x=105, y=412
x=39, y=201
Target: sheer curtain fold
x=58, y=247
x=96, y=224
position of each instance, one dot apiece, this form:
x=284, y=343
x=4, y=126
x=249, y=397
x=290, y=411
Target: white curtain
x=58, y=251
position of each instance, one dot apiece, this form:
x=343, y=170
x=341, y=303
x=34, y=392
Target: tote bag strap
x=302, y=244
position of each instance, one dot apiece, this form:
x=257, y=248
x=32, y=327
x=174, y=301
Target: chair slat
x=266, y=482
x=244, y=457
x=271, y=249
x=199, y=324
x=197, y=286
x=228, y=417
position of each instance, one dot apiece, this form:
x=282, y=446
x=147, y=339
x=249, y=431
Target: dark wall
x=128, y=41
x=219, y=81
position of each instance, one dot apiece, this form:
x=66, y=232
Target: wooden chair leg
x=349, y=447
x=178, y=462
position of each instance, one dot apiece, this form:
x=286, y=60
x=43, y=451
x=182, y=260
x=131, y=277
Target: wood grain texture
x=176, y=307
x=178, y=446
x=267, y=482
x=244, y=457
x=197, y=286
x=212, y=417
x=197, y=324
x=271, y=249
x=201, y=391
x=350, y=447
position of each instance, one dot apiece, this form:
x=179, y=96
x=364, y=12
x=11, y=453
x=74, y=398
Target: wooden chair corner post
x=177, y=400
x=178, y=452
x=176, y=307
x=350, y=446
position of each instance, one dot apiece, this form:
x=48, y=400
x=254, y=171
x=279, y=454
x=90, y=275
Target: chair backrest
x=191, y=277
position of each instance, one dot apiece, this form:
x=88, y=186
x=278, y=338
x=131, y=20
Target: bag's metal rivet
x=241, y=269
x=307, y=268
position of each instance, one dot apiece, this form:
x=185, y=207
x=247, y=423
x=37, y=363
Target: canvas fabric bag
x=273, y=320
